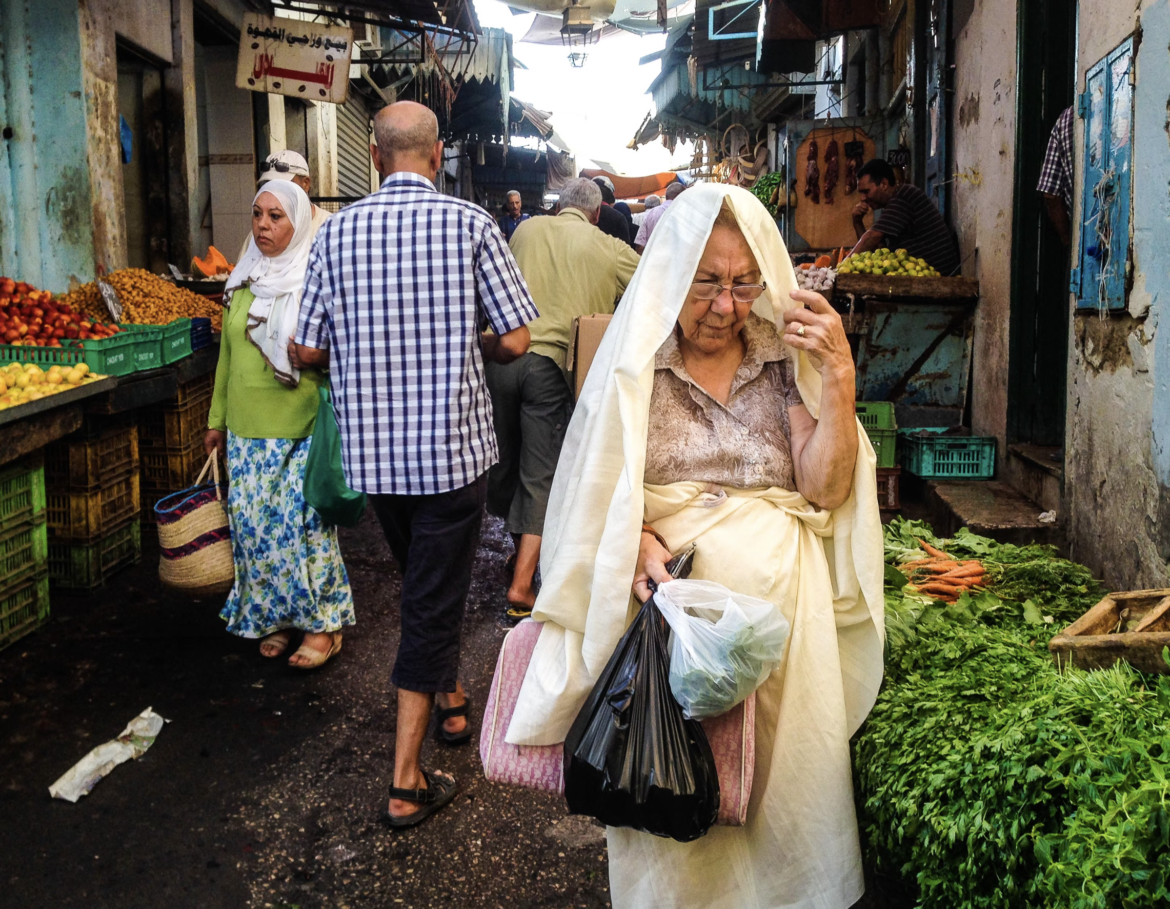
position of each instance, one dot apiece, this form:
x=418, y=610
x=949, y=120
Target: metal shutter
x=353, y=149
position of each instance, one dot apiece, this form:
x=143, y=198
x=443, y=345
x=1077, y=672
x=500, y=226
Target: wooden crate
x=888, y=488
x=1132, y=625
x=898, y=287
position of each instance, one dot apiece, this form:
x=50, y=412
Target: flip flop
x=317, y=658
x=440, y=790
x=279, y=638
x=443, y=714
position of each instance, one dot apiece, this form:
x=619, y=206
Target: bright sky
x=597, y=108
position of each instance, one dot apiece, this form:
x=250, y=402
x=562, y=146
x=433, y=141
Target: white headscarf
x=276, y=281
x=595, y=510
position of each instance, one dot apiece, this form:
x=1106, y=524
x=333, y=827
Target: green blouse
x=248, y=400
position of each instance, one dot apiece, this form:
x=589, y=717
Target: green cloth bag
x=325, y=488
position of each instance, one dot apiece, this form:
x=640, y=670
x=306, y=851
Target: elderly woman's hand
x=652, y=559
x=818, y=331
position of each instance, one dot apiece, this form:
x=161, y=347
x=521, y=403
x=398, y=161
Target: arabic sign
x=291, y=57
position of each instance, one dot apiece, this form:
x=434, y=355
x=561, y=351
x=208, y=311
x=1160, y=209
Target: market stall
x=104, y=401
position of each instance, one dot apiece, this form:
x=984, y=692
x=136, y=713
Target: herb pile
x=988, y=779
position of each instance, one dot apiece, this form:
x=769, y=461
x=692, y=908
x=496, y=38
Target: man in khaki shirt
x=572, y=269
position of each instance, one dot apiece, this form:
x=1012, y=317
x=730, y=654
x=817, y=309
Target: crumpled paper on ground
x=134, y=741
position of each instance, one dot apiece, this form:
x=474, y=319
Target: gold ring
x=800, y=331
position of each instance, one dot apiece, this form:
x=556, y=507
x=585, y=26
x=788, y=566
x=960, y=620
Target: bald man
x=396, y=290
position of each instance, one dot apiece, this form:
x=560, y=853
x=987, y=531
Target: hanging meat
x=812, y=174
x=832, y=170
x=850, y=176
x=854, y=159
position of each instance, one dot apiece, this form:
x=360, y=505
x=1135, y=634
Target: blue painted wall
x=46, y=203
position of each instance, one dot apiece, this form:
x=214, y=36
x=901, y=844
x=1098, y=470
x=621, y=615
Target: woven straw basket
x=195, y=538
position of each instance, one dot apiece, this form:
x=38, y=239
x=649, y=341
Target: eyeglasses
x=740, y=293
x=282, y=166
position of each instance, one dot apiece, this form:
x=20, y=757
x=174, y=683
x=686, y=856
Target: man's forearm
x=868, y=241
x=1058, y=214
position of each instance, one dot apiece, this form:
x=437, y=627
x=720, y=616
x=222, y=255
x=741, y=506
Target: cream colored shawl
x=593, y=526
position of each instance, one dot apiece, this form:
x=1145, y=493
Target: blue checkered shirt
x=398, y=287
x=1056, y=173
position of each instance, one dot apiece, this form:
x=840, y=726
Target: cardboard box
x=583, y=343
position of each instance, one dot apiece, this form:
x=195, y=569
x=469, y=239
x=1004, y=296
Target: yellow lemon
x=84, y=367
x=53, y=378
x=23, y=380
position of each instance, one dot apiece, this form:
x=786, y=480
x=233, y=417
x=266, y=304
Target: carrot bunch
x=942, y=576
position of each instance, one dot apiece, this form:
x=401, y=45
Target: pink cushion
x=732, y=736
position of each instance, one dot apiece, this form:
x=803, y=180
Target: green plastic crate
x=885, y=446
x=947, y=456
x=22, y=493
x=176, y=340
x=24, y=551
x=84, y=567
x=147, y=346
x=104, y=357
x=876, y=414
x=23, y=608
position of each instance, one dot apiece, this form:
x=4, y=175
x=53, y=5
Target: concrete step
x=1037, y=471
x=990, y=508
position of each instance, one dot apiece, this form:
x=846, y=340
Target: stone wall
x=1117, y=482
x=984, y=121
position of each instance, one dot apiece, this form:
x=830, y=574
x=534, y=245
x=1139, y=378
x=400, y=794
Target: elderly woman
x=704, y=420
x=289, y=572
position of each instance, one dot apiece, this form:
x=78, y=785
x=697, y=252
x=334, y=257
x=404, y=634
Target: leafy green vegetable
x=987, y=778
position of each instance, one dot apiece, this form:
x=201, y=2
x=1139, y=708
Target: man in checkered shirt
x=398, y=288
x=1056, y=177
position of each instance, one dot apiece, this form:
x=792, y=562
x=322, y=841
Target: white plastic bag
x=724, y=644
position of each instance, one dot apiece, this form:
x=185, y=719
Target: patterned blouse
x=745, y=444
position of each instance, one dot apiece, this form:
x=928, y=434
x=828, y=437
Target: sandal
x=440, y=790
x=276, y=639
x=443, y=714
x=316, y=657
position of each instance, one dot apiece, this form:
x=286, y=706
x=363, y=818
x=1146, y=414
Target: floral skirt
x=289, y=571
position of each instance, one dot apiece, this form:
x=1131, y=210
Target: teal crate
x=24, y=551
x=175, y=339
x=147, y=346
x=22, y=493
x=90, y=565
x=24, y=607
x=876, y=414
x=885, y=446
x=104, y=357
x=947, y=456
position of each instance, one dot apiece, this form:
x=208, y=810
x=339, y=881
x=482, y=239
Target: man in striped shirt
x=909, y=220
x=397, y=291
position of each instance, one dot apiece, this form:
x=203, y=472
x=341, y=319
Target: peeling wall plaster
x=1117, y=481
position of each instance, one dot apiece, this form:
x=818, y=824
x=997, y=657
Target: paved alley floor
x=265, y=787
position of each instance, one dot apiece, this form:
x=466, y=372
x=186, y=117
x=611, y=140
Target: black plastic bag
x=631, y=758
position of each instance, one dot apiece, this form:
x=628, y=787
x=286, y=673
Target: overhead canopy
x=451, y=15
x=634, y=187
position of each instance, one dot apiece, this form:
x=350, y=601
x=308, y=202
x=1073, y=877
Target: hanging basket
x=195, y=538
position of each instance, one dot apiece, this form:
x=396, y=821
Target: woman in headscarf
x=720, y=410
x=289, y=572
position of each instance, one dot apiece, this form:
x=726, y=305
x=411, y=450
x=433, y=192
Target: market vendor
x=909, y=220
x=725, y=418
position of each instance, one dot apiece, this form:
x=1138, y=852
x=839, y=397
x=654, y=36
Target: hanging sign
x=292, y=57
